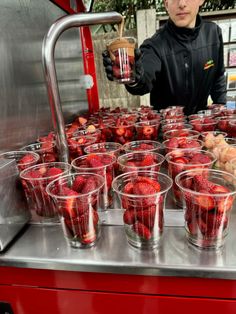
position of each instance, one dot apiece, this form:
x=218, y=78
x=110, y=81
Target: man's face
x=183, y=12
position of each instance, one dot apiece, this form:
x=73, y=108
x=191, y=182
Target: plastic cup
x=34, y=180
x=207, y=210
x=106, y=147
x=121, y=52
x=142, y=145
x=142, y=198
x=102, y=164
x=46, y=151
x=76, y=198
x=147, y=130
x=140, y=161
x=188, y=133
x=185, y=159
x=122, y=133
x=77, y=145
x=24, y=159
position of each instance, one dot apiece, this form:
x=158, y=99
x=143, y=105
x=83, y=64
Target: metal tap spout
x=48, y=49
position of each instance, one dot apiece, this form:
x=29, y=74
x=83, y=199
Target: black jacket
x=183, y=67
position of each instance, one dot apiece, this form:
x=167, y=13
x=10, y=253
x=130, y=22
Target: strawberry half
x=129, y=217
x=26, y=159
x=148, y=130
x=147, y=161
x=147, y=217
x=78, y=183
x=204, y=201
x=142, y=231
x=54, y=171
x=201, y=183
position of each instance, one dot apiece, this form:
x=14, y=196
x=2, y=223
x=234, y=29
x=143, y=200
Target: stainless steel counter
x=45, y=248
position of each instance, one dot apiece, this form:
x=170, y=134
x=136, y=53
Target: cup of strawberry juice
x=35, y=180
x=209, y=196
x=180, y=160
x=102, y=164
x=142, y=197
x=77, y=197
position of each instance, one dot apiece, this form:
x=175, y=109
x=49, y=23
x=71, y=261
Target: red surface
x=172, y=286
x=25, y=300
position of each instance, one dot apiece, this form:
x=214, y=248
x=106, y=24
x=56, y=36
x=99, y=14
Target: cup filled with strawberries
x=142, y=197
x=180, y=160
x=209, y=196
x=76, y=197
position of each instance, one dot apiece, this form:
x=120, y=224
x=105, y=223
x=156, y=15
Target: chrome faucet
x=49, y=42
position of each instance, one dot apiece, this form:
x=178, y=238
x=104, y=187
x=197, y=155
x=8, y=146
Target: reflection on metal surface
x=49, y=43
x=175, y=257
x=25, y=113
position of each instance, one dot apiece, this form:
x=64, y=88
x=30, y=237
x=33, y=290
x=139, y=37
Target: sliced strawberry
x=180, y=160
x=147, y=217
x=89, y=237
x=148, y=130
x=150, y=181
x=225, y=203
x=143, y=188
x=199, y=158
x=94, y=161
x=148, y=160
x=142, y=231
x=54, y=171
x=204, y=201
x=172, y=143
x=201, y=183
x=35, y=174
x=89, y=186
x=26, y=159
x=70, y=204
x=128, y=188
x=129, y=217
x=120, y=131
x=82, y=120
x=78, y=183
x=218, y=189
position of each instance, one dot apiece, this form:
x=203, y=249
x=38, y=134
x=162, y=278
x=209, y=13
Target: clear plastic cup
x=24, y=159
x=147, y=130
x=102, y=164
x=142, y=145
x=46, y=151
x=185, y=159
x=105, y=147
x=142, y=198
x=188, y=133
x=140, y=161
x=76, y=199
x=34, y=180
x=121, y=52
x=208, y=196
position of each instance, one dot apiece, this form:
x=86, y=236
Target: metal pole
x=49, y=42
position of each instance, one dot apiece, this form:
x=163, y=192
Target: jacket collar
x=183, y=33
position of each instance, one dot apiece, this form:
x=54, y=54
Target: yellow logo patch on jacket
x=208, y=64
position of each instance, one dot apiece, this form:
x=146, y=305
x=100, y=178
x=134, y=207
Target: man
x=182, y=63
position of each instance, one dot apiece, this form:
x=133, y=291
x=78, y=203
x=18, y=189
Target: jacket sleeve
x=151, y=64
x=218, y=91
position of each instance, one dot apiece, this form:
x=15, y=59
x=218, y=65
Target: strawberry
x=225, y=203
x=150, y=181
x=187, y=182
x=128, y=188
x=199, y=158
x=26, y=159
x=180, y=160
x=129, y=217
x=143, y=188
x=78, y=183
x=120, y=131
x=147, y=217
x=94, y=161
x=147, y=161
x=89, y=237
x=35, y=174
x=70, y=204
x=89, y=186
x=218, y=189
x=82, y=120
x=202, y=183
x=190, y=144
x=51, y=172
x=142, y=231
x=172, y=143
x=204, y=201
x=148, y=130
x=192, y=227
